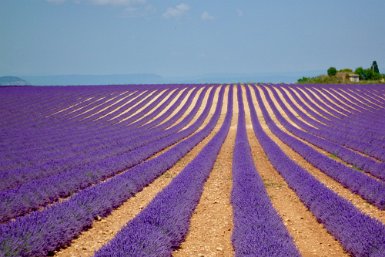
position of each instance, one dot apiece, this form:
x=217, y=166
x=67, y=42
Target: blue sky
x=185, y=38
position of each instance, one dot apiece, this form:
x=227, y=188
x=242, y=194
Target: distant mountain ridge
x=265, y=77
x=150, y=78
x=12, y=81
x=63, y=80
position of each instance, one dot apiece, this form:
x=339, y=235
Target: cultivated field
x=193, y=170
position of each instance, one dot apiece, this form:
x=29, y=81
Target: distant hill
x=150, y=78
x=12, y=81
x=95, y=79
x=267, y=77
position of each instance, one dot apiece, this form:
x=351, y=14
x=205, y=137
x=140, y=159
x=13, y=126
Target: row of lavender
x=42, y=187
x=359, y=234
x=163, y=224
x=258, y=230
x=50, y=127
x=41, y=232
x=358, y=128
x=367, y=187
x=315, y=137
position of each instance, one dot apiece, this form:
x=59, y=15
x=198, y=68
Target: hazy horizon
x=151, y=78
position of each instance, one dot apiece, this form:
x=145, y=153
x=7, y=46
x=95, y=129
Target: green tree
x=360, y=72
x=303, y=80
x=375, y=75
x=367, y=74
x=346, y=70
x=332, y=71
x=374, y=67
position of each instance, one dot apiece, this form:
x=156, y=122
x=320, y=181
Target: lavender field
x=193, y=170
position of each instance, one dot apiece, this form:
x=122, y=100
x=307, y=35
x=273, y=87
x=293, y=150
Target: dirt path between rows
x=173, y=112
x=355, y=199
x=103, y=230
x=212, y=222
x=310, y=237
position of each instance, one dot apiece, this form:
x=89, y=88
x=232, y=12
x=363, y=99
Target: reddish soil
x=103, y=230
x=310, y=237
x=212, y=221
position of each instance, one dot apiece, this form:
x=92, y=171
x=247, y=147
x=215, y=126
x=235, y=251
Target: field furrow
x=193, y=170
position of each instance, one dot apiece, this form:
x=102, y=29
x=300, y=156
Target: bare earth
x=212, y=222
x=105, y=229
x=309, y=236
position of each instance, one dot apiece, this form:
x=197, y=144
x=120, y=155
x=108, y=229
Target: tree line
x=371, y=74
